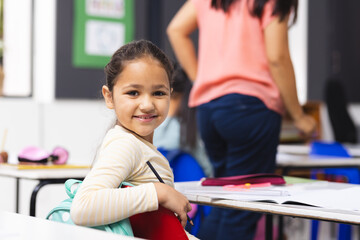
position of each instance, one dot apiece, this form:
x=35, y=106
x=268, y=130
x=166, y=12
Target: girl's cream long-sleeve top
x=122, y=157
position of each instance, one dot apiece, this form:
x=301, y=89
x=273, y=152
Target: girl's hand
x=307, y=125
x=171, y=199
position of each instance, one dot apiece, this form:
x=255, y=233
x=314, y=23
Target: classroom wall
x=78, y=126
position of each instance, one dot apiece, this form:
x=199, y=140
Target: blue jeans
x=241, y=136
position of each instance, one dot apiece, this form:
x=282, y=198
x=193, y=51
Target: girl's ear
x=108, y=97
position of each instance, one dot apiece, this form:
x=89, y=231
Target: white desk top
x=298, y=156
x=337, y=215
x=38, y=174
x=18, y=227
x=291, y=160
x=354, y=150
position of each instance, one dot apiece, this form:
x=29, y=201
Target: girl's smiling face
x=140, y=96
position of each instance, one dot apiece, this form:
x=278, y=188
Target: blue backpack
x=61, y=213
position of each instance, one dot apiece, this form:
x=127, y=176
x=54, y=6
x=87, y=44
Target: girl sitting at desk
x=138, y=88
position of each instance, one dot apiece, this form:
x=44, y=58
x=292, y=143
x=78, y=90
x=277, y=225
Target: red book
x=274, y=179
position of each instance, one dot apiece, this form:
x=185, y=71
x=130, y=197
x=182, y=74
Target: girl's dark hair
x=187, y=116
x=281, y=8
x=132, y=51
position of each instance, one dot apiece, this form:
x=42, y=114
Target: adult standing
x=244, y=81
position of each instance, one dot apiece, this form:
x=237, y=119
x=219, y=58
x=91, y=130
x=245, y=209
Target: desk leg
x=269, y=227
x=17, y=195
x=281, y=228
x=36, y=190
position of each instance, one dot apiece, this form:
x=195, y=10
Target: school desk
x=297, y=157
x=287, y=162
x=45, y=176
x=338, y=214
x=304, y=149
x=16, y=226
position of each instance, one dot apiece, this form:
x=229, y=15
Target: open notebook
x=318, y=194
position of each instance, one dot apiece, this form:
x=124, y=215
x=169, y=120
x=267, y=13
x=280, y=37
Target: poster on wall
x=100, y=28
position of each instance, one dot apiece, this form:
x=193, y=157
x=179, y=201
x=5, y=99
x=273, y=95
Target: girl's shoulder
x=120, y=142
x=120, y=135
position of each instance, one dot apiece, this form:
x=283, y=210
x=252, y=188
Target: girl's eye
x=133, y=93
x=159, y=93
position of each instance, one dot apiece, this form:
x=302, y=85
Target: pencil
x=162, y=181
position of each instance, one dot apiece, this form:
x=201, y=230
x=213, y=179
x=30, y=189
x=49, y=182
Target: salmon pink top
x=232, y=57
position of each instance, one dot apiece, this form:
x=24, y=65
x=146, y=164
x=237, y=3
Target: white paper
x=103, y=38
x=106, y=8
x=294, y=149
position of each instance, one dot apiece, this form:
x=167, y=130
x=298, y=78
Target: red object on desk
x=274, y=179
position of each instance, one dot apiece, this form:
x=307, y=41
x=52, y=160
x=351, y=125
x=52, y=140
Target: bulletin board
x=76, y=82
x=100, y=28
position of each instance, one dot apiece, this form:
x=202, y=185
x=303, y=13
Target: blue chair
x=186, y=168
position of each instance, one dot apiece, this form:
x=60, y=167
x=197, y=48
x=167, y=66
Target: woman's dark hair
x=132, y=51
x=187, y=116
x=281, y=8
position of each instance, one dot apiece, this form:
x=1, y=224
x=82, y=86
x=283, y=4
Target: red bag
x=160, y=225
x=274, y=179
